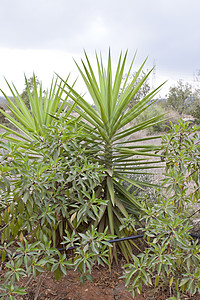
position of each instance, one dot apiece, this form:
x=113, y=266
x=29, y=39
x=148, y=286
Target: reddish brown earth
x=106, y=286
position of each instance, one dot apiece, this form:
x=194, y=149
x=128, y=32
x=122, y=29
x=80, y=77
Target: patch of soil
x=106, y=285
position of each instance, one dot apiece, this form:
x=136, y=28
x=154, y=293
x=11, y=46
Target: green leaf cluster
x=171, y=259
x=45, y=194
x=31, y=259
x=29, y=116
x=50, y=198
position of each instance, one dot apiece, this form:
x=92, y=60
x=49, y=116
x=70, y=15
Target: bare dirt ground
x=106, y=285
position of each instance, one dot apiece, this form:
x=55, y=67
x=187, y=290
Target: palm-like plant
x=30, y=122
x=106, y=134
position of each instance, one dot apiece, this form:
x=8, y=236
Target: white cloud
x=15, y=63
x=44, y=35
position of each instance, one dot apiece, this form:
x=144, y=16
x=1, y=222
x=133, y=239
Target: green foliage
x=182, y=153
x=143, y=91
x=51, y=198
x=196, y=113
x=51, y=191
x=30, y=84
x=30, y=119
x=153, y=111
x=108, y=134
x=93, y=250
x=32, y=259
x=182, y=99
x=172, y=257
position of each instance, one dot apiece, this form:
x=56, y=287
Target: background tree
x=196, y=112
x=181, y=98
x=25, y=93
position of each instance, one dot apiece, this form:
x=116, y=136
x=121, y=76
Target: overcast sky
x=44, y=35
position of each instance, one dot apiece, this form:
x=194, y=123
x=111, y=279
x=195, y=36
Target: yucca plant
x=108, y=130
x=29, y=120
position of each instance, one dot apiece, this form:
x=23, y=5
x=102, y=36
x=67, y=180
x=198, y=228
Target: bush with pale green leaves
x=50, y=200
x=171, y=258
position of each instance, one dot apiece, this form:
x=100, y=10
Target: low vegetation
x=171, y=258
x=75, y=182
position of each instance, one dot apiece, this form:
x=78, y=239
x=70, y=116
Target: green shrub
x=47, y=200
x=33, y=258
x=51, y=191
x=196, y=113
x=172, y=257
